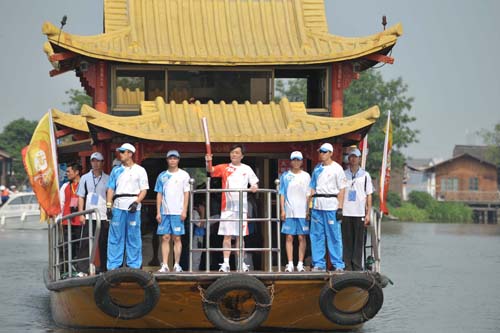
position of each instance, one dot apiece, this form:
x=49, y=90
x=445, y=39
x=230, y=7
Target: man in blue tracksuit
x=328, y=185
x=127, y=187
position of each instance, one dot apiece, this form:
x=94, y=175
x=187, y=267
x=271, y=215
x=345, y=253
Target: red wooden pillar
x=101, y=87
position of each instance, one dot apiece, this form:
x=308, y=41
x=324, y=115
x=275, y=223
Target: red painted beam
x=55, y=72
x=380, y=58
x=64, y=132
x=62, y=56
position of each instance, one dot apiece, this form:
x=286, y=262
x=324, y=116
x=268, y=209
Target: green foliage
x=492, y=139
x=15, y=136
x=393, y=199
x=454, y=212
x=411, y=213
x=76, y=98
x=422, y=200
x=293, y=89
x=370, y=90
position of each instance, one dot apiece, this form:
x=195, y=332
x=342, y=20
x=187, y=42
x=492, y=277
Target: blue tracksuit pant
x=324, y=225
x=124, y=232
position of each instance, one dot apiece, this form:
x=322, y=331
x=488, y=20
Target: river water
x=446, y=279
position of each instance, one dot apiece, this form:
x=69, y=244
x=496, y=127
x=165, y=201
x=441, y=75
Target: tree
x=76, y=99
x=371, y=89
x=293, y=89
x=492, y=139
x=15, y=136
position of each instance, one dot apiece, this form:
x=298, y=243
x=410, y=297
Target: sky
x=447, y=56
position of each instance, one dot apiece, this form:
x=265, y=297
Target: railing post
x=278, y=223
x=240, y=225
x=207, y=226
x=191, y=234
x=269, y=231
x=70, y=250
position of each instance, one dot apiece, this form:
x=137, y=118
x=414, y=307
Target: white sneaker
x=164, y=268
x=177, y=268
x=300, y=268
x=246, y=267
x=224, y=268
x=318, y=269
x=289, y=268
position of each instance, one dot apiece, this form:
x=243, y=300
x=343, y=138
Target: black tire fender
x=107, y=305
x=362, y=280
x=216, y=291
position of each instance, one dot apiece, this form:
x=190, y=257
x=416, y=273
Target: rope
x=374, y=281
x=330, y=285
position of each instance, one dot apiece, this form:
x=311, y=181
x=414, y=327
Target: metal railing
x=268, y=219
x=60, y=246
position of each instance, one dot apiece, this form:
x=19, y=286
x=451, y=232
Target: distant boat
x=21, y=211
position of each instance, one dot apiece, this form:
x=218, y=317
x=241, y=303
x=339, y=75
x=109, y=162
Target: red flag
x=40, y=162
x=385, y=172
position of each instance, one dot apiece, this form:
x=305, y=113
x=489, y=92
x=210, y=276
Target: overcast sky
x=447, y=56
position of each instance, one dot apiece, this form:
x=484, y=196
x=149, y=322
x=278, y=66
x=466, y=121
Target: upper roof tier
x=219, y=32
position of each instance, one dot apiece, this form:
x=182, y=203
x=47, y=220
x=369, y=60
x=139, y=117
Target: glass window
x=219, y=86
x=17, y=201
x=473, y=184
x=134, y=86
x=301, y=85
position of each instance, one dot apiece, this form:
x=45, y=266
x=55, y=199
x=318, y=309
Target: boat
x=159, y=68
x=21, y=211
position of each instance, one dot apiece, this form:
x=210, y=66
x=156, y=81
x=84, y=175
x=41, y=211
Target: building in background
x=5, y=167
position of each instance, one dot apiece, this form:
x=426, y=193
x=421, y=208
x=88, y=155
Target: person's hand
x=254, y=188
x=367, y=219
x=183, y=215
x=158, y=218
x=133, y=207
x=109, y=213
x=283, y=215
x=208, y=158
x=82, y=219
x=338, y=214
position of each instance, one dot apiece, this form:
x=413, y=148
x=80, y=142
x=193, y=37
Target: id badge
x=73, y=202
x=94, y=199
x=351, y=195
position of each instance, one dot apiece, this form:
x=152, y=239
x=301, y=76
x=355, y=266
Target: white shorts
x=231, y=228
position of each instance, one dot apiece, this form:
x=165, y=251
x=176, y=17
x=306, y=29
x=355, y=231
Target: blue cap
x=173, y=153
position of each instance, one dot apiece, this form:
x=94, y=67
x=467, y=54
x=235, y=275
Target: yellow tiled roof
x=219, y=32
x=68, y=120
x=274, y=122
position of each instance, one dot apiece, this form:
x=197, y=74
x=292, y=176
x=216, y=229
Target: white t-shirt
x=327, y=179
x=355, y=193
x=93, y=190
x=172, y=186
x=295, y=188
x=234, y=177
x=127, y=180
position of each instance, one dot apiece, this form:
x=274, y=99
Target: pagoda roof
x=218, y=32
x=170, y=122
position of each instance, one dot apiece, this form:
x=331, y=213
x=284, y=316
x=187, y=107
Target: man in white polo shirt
x=172, y=198
x=127, y=187
x=356, y=211
x=92, y=194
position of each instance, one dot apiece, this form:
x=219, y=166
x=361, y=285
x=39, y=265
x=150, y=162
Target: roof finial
x=63, y=23
x=384, y=21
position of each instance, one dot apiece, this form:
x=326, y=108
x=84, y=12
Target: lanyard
x=93, y=180
x=353, y=178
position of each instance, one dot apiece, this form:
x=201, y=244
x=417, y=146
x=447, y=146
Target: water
x=447, y=279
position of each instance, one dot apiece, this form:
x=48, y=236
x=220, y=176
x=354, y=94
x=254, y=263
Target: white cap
x=126, y=146
x=97, y=156
x=296, y=155
x=326, y=147
x=2, y=187
x=173, y=153
x=355, y=152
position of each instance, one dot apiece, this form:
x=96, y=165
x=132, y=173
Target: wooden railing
x=470, y=196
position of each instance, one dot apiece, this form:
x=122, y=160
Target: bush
x=454, y=212
x=394, y=199
x=422, y=200
x=411, y=213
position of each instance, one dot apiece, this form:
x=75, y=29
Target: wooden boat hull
x=295, y=304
